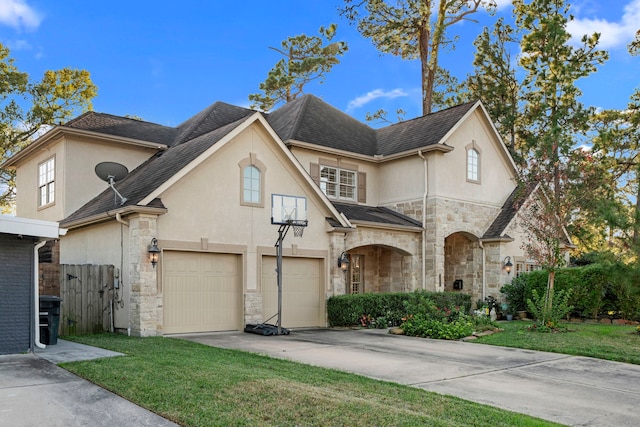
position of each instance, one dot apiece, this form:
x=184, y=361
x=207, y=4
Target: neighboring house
x=19, y=309
x=422, y=204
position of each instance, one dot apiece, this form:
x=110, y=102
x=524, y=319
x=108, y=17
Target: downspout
x=424, y=221
x=36, y=293
x=484, y=287
x=121, y=285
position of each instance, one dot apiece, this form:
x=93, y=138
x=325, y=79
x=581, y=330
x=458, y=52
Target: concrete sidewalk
x=36, y=392
x=576, y=391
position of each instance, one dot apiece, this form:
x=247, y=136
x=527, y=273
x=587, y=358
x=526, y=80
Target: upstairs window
x=338, y=183
x=473, y=163
x=46, y=182
x=252, y=175
x=252, y=178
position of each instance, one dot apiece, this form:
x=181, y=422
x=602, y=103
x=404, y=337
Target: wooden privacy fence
x=86, y=292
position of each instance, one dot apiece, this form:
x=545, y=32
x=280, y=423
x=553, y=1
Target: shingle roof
x=420, y=132
x=377, y=214
x=307, y=119
x=123, y=126
x=507, y=213
x=151, y=174
x=312, y=120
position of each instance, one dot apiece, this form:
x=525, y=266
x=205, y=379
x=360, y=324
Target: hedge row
x=347, y=310
x=596, y=290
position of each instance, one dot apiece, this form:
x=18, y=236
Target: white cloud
x=18, y=14
x=502, y=4
x=374, y=94
x=612, y=34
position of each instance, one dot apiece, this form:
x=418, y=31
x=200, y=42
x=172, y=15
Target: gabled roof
x=147, y=177
x=420, y=132
x=308, y=120
x=507, y=213
x=213, y=117
x=376, y=214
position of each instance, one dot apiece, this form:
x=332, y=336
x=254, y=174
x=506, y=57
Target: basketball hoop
x=297, y=230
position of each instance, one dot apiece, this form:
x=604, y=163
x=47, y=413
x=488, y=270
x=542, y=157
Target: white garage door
x=202, y=292
x=302, y=296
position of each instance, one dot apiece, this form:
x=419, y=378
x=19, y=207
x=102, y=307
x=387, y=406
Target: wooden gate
x=86, y=292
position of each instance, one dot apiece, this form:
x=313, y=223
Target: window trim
x=338, y=183
x=252, y=161
x=473, y=147
x=50, y=201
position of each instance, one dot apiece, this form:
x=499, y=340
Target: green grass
x=610, y=342
x=197, y=385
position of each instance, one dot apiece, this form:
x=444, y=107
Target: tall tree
x=553, y=117
x=412, y=29
x=26, y=106
x=494, y=81
x=305, y=59
x=618, y=140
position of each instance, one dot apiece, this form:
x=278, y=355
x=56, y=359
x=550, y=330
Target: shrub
x=388, y=309
x=549, y=319
x=422, y=325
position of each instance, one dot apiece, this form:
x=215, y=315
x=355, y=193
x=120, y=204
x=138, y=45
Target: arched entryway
x=379, y=268
x=462, y=264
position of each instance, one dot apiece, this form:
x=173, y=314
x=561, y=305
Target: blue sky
x=165, y=60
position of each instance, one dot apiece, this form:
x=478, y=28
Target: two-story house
x=422, y=204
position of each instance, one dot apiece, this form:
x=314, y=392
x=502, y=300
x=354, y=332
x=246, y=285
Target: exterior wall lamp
x=343, y=261
x=154, y=252
x=508, y=264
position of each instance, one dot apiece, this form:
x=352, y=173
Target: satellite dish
x=112, y=172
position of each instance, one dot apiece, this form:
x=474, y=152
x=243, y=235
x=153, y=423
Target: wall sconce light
x=154, y=251
x=507, y=264
x=343, y=261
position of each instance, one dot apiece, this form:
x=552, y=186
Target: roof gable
x=213, y=117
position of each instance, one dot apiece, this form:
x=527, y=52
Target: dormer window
x=46, y=182
x=473, y=163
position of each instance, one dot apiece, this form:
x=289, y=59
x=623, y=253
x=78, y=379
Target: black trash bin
x=49, y=319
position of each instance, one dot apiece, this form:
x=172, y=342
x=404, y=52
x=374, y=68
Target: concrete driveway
x=577, y=391
x=36, y=392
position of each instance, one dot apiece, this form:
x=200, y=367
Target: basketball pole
x=282, y=232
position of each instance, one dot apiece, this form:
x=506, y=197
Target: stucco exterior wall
x=75, y=180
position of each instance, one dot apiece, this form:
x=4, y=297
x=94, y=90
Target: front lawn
x=610, y=342
x=197, y=385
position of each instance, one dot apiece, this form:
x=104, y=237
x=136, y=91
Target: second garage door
x=202, y=292
x=302, y=296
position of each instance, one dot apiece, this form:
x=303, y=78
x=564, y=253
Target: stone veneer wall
x=144, y=299
x=253, y=308
x=443, y=218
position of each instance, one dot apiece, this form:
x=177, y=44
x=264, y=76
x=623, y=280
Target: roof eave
x=383, y=226
x=60, y=131
x=105, y=216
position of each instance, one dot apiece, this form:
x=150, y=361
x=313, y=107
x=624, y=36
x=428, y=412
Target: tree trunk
x=549, y=300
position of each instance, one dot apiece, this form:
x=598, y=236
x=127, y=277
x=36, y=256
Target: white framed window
x=46, y=182
x=356, y=277
x=252, y=175
x=251, y=190
x=338, y=183
x=527, y=266
x=473, y=162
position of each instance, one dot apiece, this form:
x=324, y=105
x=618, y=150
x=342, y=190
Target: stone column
x=145, y=302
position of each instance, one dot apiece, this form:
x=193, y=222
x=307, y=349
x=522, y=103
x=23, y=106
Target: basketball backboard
x=290, y=210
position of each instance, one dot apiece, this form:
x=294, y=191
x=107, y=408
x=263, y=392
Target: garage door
x=302, y=296
x=202, y=292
